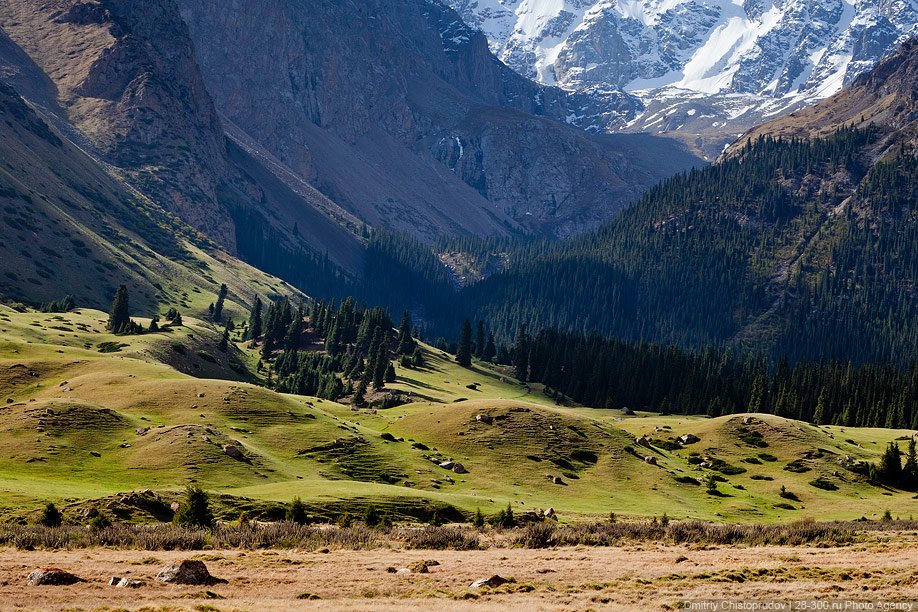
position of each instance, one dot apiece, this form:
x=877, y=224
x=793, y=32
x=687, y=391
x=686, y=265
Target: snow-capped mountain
x=706, y=67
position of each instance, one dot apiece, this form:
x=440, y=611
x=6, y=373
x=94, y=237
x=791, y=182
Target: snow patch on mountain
x=772, y=55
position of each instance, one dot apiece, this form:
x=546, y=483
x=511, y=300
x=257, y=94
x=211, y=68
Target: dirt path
x=631, y=577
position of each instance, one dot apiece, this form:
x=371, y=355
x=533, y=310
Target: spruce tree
x=890, y=469
x=255, y=322
x=910, y=469
x=195, y=510
x=490, y=350
x=224, y=341
x=464, y=352
x=406, y=343
x=218, y=307
x=119, y=319
x=381, y=363
x=480, y=340
x=521, y=354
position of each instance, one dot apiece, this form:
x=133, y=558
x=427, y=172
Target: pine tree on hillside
x=119, y=319
x=224, y=341
x=480, y=340
x=890, y=469
x=406, y=343
x=910, y=469
x=255, y=322
x=521, y=354
x=464, y=351
x=490, y=350
x=218, y=307
x=381, y=364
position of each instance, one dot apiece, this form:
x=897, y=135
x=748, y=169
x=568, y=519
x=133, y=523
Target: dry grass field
x=651, y=576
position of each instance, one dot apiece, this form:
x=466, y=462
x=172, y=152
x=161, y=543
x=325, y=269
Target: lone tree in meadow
x=119, y=319
x=464, y=352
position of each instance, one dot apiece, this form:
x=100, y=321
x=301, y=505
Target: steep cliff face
x=120, y=78
x=399, y=112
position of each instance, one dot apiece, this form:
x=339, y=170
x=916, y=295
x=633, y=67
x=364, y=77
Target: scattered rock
x=174, y=506
x=548, y=513
x=447, y=465
x=121, y=583
x=422, y=567
x=681, y=559
x=650, y=460
x=627, y=411
x=142, y=430
x=51, y=576
x=689, y=439
x=492, y=582
x=484, y=418
x=642, y=441
x=557, y=480
x=235, y=452
x=189, y=571
x=95, y=453
x=403, y=571
x=460, y=469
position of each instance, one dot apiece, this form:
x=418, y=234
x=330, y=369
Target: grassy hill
x=85, y=415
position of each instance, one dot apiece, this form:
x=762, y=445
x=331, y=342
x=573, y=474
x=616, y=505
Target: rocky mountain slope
x=69, y=227
x=121, y=82
x=703, y=68
x=398, y=112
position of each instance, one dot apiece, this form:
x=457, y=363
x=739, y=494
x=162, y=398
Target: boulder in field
x=235, y=452
x=689, y=439
x=460, y=469
x=650, y=460
x=492, y=582
x=51, y=576
x=189, y=571
x=447, y=465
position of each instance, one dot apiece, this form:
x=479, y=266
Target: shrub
x=371, y=516
x=787, y=494
x=797, y=467
x=195, y=510
x=99, y=521
x=537, y=535
x=687, y=480
x=51, y=516
x=767, y=457
x=345, y=520
x=296, y=513
x=441, y=538
x=504, y=518
x=478, y=520
x=825, y=485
